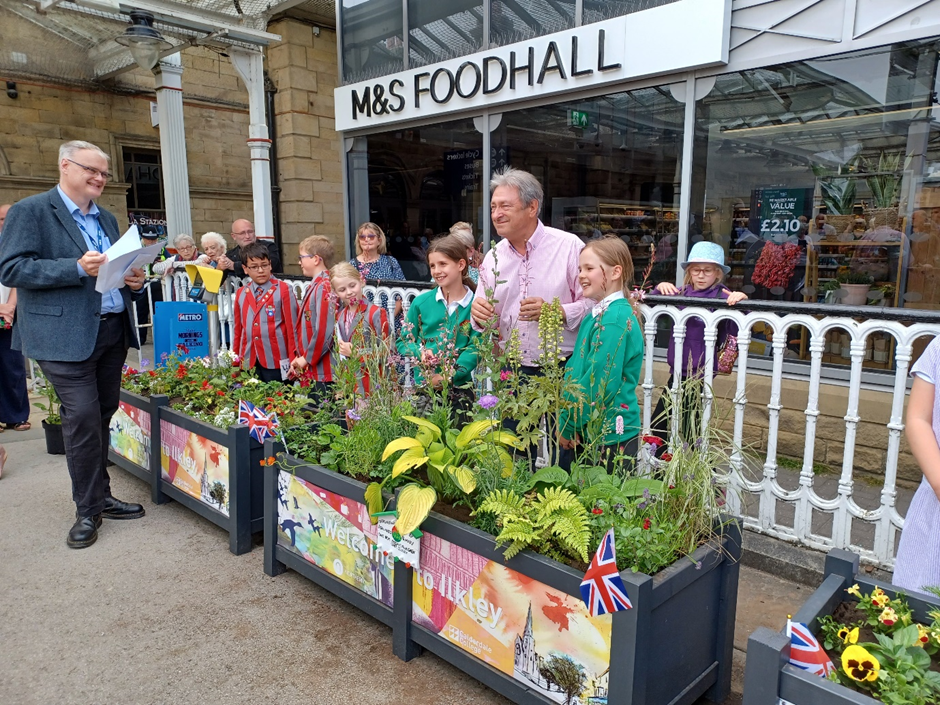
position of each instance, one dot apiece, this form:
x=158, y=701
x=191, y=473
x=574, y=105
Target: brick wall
x=216, y=117
x=304, y=69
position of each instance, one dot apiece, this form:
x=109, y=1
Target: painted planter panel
x=130, y=434
x=194, y=464
x=333, y=533
x=506, y=619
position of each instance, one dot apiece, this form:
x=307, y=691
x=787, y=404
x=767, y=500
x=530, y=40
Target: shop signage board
x=680, y=36
x=779, y=210
x=507, y=619
x=335, y=534
x=196, y=465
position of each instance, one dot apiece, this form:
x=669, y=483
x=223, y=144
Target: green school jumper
x=606, y=363
x=429, y=324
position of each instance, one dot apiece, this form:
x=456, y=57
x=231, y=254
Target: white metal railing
x=758, y=493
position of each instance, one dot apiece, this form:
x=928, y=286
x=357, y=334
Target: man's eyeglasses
x=368, y=236
x=106, y=175
x=258, y=267
x=244, y=232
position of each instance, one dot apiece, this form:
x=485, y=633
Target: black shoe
x=84, y=532
x=116, y=509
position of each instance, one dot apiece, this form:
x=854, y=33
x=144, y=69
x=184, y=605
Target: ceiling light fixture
x=143, y=40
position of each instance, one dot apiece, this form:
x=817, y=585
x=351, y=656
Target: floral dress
x=385, y=268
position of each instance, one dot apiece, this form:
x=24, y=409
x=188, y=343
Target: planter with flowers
x=882, y=643
x=197, y=453
x=425, y=520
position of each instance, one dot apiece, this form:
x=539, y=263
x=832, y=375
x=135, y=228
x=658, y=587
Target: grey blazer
x=57, y=311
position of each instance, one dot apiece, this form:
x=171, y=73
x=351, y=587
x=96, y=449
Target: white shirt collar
x=452, y=306
x=602, y=305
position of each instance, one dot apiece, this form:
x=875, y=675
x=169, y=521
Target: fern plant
x=552, y=521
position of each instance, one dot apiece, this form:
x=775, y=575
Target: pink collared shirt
x=548, y=269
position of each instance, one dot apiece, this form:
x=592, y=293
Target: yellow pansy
x=859, y=664
x=848, y=636
x=923, y=636
x=880, y=600
x=855, y=591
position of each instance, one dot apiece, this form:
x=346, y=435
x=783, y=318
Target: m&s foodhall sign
x=679, y=36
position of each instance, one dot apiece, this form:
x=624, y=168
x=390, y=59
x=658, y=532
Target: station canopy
x=73, y=43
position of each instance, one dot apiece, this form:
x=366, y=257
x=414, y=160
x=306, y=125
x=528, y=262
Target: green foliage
x=51, y=407
x=552, y=521
x=219, y=494
x=838, y=189
x=854, y=278
x=886, y=181
x=565, y=673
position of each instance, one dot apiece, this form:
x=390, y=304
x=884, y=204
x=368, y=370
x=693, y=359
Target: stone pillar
x=169, y=87
x=249, y=65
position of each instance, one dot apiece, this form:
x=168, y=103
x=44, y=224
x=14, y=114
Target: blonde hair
x=371, y=227
x=343, y=270
x=687, y=277
x=613, y=252
x=463, y=231
x=320, y=246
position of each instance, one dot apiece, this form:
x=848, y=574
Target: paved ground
x=159, y=611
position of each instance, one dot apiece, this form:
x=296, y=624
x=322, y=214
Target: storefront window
x=441, y=31
x=609, y=165
x=822, y=181
x=372, y=38
x=517, y=20
x=421, y=181
x=599, y=10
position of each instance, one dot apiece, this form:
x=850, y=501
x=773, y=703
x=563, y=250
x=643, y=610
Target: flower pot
x=854, y=294
x=55, y=443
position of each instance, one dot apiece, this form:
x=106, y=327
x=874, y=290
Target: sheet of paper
x=123, y=256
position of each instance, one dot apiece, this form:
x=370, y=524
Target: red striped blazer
x=367, y=321
x=266, y=326
x=315, y=327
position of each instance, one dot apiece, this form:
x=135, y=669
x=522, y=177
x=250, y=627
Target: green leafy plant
x=449, y=459
x=837, y=187
x=885, y=182
x=552, y=521
x=51, y=407
x=855, y=278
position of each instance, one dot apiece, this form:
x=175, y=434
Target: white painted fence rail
x=757, y=480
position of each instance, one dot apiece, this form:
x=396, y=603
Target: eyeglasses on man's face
x=91, y=171
x=258, y=267
x=243, y=232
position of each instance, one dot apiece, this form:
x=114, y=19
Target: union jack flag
x=260, y=425
x=805, y=651
x=602, y=589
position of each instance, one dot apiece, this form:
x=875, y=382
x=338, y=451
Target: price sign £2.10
x=780, y=210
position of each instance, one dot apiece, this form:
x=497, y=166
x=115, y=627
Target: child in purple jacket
x=704, y=272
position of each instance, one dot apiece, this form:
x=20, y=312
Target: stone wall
x=303, y=67
x=33, y=125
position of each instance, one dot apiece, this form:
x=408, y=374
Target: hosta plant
x=449, y=458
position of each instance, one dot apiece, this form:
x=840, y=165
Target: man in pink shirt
x=534, y=264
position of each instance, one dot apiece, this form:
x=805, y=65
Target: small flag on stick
x=260, y=425
x=806, y=652
x=602, y=589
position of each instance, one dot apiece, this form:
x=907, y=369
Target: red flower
x=152, y=373
x=220, y=393
x=646, y=524
x=234, y=375
x=280, y=394
x=597, y=510
x=205, y=384
x=666, y=457
x=624, y=406
x=655, y=440
x=672, y=487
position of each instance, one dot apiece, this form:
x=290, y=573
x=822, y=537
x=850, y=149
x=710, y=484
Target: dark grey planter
x=768, y=675
x=673, y=647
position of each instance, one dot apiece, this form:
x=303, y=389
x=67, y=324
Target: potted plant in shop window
x=884, y=183
x=52, y=424
x=837, y=189
x=854, y=287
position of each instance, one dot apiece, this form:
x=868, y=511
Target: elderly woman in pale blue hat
x=705, y=271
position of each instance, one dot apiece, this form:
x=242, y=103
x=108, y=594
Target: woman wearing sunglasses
x=373, y=263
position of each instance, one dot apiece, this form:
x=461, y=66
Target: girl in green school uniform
x=437, y=332
x=607, y=357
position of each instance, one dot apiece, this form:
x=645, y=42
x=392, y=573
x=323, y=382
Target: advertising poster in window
x=334, y=533
x=130, y=434
x=196, y=465
x=524, y=628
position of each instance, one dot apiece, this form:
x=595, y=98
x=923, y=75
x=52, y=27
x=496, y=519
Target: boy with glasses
x=265, y=318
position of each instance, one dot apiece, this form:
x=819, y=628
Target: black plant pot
x=55, y=444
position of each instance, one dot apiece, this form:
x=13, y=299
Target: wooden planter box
x=213, y=472
x=768, y=675
x=498, y=620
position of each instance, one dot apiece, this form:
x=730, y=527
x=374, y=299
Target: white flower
x=618, y=427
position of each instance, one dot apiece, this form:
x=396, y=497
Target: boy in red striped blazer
x=317, y=317
x=265, y=318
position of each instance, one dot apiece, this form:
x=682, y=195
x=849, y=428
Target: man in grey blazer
x=50, y=251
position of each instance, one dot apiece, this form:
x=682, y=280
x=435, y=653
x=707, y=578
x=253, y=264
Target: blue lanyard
x=97, y=242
